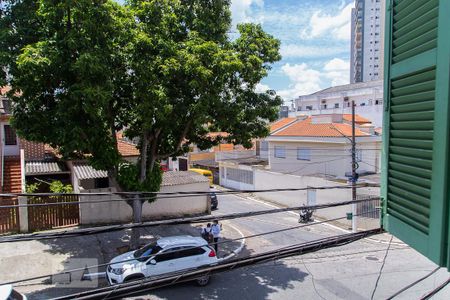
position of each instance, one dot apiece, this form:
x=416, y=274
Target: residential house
x=321, y=144
x=368, y=98
x=318, y=146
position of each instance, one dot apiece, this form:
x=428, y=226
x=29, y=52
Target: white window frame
x=279, y=152
x=303, y=154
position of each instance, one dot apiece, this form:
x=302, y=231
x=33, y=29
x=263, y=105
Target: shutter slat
x=418, y=144
x=416, y=153
x=419, y=125
x=411, y=161
x=414, y=200
x=419, y=172
x=420, y=181
x=409, y=187
x=408, y=220
x=412, y=107
x=418, y=98
x=411, y=116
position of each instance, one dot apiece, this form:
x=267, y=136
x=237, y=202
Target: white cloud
x=241, y=10
x=306, y=80
x=329, y=26
x=337, y=70
x=300, y=51
x=261, y=88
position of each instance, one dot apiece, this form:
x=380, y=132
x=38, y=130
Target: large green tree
x=166, y=71
x=189, y=78
x=67, y=66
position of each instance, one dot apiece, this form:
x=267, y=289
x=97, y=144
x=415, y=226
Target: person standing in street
x=215, y=230
x=206, y=233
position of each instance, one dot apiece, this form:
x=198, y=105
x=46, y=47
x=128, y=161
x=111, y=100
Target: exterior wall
x=178, y=207
x=9, y=150
x=103, y=212
x=367, y=40
x=120, y=212
x=224, y=172
x=33, y=150
x=368, y=100
x=272, y=180
x=372, y=112
x=332, y=159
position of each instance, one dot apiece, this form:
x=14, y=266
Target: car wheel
x=133, y=278
x=202, y=281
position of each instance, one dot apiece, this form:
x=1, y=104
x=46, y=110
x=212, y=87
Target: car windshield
x=147, y=251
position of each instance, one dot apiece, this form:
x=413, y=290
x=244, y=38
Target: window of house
x=309, y=107
x=336, y=105
x=303, y=154
x=280, y=152
x=10, y=135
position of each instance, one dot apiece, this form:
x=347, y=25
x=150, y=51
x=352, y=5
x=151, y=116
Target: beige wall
x=178, y=207
x=326, y=158
x=119, y=211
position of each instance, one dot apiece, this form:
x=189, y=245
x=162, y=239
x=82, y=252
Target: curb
x=269, y=203
x=238, y=249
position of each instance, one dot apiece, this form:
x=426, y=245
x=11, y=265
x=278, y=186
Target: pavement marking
x=238, y=249
x=325, y=224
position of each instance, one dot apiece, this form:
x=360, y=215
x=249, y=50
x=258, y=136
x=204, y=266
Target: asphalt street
x=347, y=272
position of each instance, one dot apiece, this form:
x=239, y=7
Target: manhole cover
x=371, y=258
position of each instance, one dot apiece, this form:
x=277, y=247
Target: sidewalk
x=37, y=258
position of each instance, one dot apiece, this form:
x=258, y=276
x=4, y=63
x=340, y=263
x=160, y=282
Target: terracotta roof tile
x=281, y=123
x=307, y=129
x=126, y=148
x=358, y=119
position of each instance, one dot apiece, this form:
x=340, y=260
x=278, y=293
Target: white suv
x=166, y=255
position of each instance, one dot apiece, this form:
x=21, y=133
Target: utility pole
x=354, y=218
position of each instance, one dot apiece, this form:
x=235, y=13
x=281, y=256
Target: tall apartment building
x=367, y=40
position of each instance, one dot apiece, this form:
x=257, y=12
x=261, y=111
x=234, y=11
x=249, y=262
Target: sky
x=315, y=42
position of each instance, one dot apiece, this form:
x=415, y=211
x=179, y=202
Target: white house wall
x=325, y=158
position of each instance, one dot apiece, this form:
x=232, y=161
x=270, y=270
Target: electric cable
x=382, y=267
x=145, y=284
x=200, y=219
x=164, y=195
x=194, y=247
x=413, y=284
x=436, y=290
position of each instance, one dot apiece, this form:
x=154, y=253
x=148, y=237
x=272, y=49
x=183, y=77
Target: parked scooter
x=306, y=215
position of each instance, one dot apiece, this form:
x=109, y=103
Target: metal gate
x=62, y=211
x=9, y=217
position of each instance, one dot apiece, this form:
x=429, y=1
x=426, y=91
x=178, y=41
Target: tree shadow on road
x=100, y=249
x=252, y=282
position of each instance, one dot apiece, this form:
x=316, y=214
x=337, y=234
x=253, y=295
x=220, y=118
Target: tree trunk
x=143, y=171
x=137, y=218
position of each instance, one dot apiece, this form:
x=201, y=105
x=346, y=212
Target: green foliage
x=166, y=70
x=128, y=178
x=32, y=187
x=68, y=61
x=58, y=187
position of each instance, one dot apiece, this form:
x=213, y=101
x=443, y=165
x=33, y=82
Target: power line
x=382, y=267
x=436, y=290
x=413, y=284
x=164, y=195
x=200, y=219
x=194, y=247
x=145, y=284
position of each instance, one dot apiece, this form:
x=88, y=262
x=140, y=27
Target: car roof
x=181, y=240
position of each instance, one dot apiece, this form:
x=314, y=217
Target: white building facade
x=367, y=40
x=368, y=97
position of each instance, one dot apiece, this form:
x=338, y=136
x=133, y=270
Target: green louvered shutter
x=416, y=125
